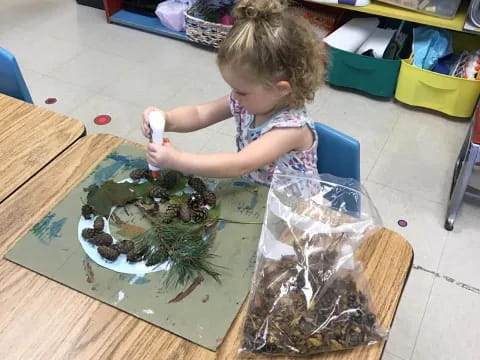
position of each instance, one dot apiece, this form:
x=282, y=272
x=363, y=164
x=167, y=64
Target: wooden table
x=41, y=319
x=30, y=137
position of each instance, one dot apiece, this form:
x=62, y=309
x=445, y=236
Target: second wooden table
x=30, y=137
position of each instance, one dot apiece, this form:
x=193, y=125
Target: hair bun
x=257, y=10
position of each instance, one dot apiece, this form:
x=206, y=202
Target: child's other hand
x=162, y=156
x=147, y=132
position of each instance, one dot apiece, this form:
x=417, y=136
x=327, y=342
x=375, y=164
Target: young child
x=272, y=60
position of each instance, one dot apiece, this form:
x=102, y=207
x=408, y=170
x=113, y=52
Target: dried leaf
x=315, y=342
x=179, y=199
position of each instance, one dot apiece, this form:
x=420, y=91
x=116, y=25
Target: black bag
x=144, y=7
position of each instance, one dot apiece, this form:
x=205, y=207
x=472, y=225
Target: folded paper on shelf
x=353, y=34
x=377, y=42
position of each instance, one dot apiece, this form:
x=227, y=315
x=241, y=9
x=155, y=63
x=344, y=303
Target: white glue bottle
x=157, y=125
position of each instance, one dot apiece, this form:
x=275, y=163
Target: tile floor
x=69, y=52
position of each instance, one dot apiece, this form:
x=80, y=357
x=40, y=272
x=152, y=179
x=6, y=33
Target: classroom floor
x=69, y=52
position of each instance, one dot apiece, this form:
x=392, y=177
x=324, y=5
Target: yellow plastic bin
x=450, y=95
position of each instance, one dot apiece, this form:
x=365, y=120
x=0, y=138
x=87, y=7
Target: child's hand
x=147, y=132
x=162, y=156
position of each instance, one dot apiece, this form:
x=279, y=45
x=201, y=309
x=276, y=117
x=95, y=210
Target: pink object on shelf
x=227, y=20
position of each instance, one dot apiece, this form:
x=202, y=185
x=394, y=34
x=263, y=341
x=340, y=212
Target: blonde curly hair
x=275, y=44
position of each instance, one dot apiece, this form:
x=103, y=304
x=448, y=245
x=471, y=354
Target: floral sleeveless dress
x=301, y=161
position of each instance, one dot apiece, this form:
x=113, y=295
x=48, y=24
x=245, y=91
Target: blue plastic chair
x=11, y=79
x=338, y=154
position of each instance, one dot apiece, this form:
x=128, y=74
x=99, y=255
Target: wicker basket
x=205, y=32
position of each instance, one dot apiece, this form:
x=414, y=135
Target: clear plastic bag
x=308, y=293
x=171, y=13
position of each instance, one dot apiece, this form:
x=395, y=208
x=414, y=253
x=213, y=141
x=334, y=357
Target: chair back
x=11, y=79
x=338, y=154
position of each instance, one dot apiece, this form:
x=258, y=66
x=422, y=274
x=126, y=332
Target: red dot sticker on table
x=102, y=119
x=50, y=101
x=402, y=223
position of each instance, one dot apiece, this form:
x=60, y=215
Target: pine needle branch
x=187, y=248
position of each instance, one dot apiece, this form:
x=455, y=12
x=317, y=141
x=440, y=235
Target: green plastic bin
x=374, y=76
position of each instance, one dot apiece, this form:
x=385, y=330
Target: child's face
x=256, y=97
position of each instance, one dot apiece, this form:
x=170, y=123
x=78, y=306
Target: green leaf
x=179, y=185
x=142, y=190
x=110, y=194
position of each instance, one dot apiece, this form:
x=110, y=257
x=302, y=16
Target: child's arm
x=257, y=154
x=194, y=117
x=191, y=117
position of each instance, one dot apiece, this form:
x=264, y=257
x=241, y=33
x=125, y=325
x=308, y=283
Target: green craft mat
x=52, y=248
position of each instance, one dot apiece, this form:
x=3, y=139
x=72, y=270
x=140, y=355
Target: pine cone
x=134, y=256
x=170, y=179
x=102, y=239
x=159, y=193
x=138, y=174
x=199, y=215
x=197, y=184
x=185, y=213
x=88, y=233
x=124, y=246
x=209, y=198
x=108, y=253
x=98, y=224
x=171, y=213
x=195, y=201
x=87, y=211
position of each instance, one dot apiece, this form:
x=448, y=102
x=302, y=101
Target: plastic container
x=374, y=76
x=451, y=95
x=442, y=8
